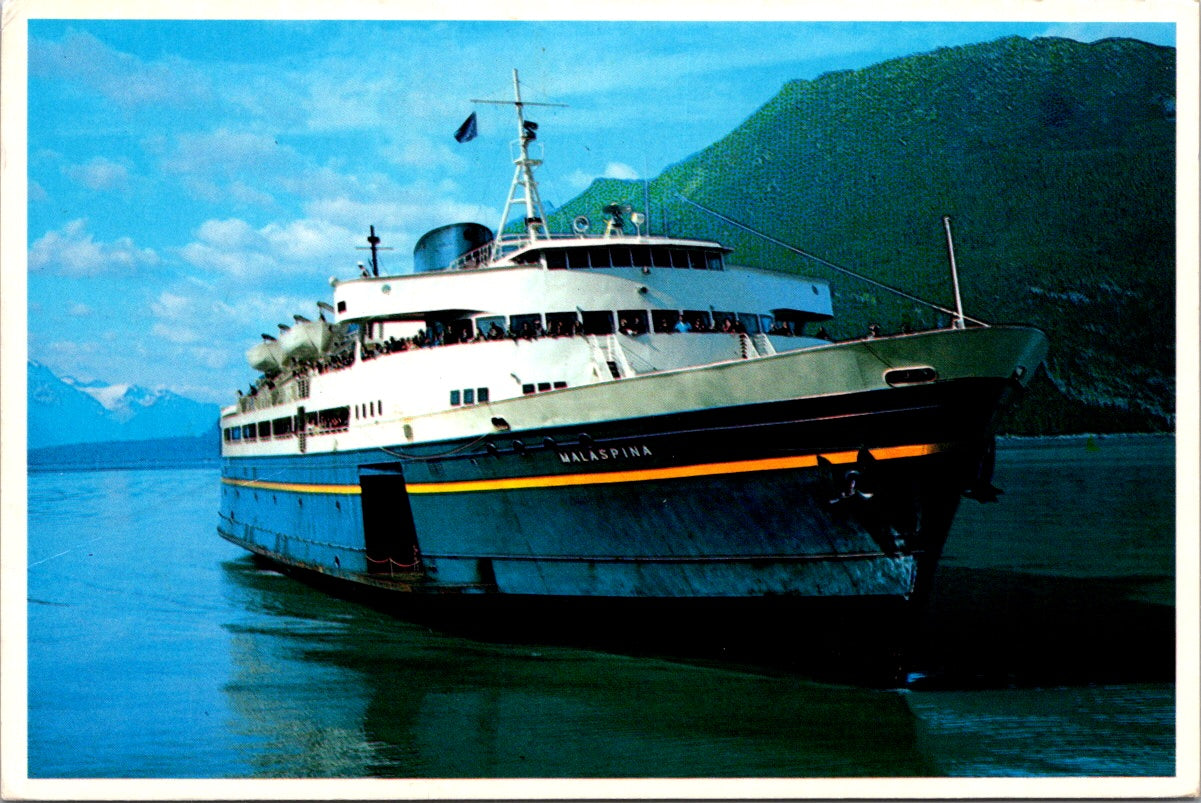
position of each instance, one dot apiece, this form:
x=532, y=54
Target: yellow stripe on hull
x=604, y=477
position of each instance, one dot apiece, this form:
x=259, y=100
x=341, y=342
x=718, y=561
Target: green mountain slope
x=1055, y=161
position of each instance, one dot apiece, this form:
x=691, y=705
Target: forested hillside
x=1055, y=161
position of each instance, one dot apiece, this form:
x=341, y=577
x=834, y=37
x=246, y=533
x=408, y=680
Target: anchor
x=856, y=483
x=853, y=493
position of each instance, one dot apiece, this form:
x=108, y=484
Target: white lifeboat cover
x=306, y=340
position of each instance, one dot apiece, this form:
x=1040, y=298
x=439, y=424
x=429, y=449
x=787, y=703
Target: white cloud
x=120, y=77
x=250, y=196
x=99, y=174
x=234, y=248
x=338, y=101
x=71, y=251
x=620, y=170
x=578, y=180
x=227, y=153
x=229, y=234
x=175, y=334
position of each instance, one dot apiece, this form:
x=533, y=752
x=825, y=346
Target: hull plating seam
x=600, y=478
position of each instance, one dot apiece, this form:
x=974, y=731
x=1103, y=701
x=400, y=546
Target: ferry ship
x=607, y=415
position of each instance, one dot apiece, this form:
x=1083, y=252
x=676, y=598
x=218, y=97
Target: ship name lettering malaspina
x=597, y=455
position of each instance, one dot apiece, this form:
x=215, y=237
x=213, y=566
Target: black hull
x=850, y=496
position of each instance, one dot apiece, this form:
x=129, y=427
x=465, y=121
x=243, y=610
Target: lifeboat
x=305, y=339
x=267, y=356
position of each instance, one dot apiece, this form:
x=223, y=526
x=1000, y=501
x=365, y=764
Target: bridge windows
x=621, y=255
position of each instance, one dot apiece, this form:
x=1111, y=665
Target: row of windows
x=468, y=396
x=369, y=410
x=604, y=322
x=623, y=256
x=531, y=388
x=335, y=419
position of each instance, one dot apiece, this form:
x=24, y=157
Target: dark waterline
x=158, y=650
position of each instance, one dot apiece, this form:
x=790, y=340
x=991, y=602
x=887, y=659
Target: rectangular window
x=560, y=385
x=235, y=433
x=335, y=419
x=248, y=432
x=555, y=258
x=459, y=331
x=713, y=260
x=698, y=320
x=619, y=256
x=598, y=256
x=632, y=321
x=469, y=396
x=543, y=387
x=526, y=325
x=454, y=398
x=226, y=434
x=281, y=426
x=264, y=429
x=750, y=322
x=599, y=322
x=341, y=306
x=527, y=389
x=481, y=394
x=485, y=326
x=561, y=324
x=665, y=320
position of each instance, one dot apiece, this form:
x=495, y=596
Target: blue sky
x=193, y=183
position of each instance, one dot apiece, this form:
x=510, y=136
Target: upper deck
x=582, y=273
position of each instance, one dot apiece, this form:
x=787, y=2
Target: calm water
x=158, y=650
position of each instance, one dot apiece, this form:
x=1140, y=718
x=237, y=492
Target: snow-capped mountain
x=63, y=410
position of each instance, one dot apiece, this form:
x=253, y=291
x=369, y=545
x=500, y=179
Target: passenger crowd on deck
x=530, y=328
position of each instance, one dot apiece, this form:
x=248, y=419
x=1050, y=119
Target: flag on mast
x=468, y=131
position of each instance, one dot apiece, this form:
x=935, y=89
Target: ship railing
x=484, y=255
x=393, y=566
x=267, y=398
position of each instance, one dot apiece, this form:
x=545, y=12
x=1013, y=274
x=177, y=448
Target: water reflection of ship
x=328, y=689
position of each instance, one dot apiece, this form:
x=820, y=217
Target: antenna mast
x=375, y=247
x=523, y=183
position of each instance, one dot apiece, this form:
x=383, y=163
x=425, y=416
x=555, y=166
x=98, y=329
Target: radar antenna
x=523, y=176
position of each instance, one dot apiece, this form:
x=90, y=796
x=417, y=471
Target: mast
x=524, y=188
x=959, y=322
x=373, y=241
